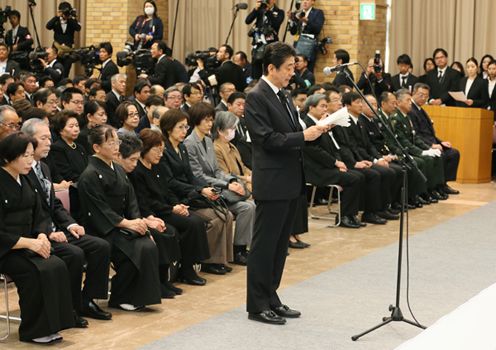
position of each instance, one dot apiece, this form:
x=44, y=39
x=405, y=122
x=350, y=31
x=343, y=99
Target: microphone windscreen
x=242, y=6
x=327, y=70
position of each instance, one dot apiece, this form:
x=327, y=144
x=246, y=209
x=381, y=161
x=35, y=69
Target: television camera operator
x=108, y=68
x=268, y=19
x=46, y=64
x=64, y=26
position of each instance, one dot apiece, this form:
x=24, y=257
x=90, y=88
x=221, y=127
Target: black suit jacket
x=106, y=73
x=410, y=82
x=23, y=39
x=440, y=89
x=359, y=137
x=59, y=35
x=52, y=210
x=491, y=102
x=277, y=142
x=56, y=72
x=379, y=86
x=274, y=17
x=423, y=125
x=477, y=92
x=314, y=25
x=12, y=68
x=342, y=79
x=111, y=103
x=163, y=73
x=229, y=72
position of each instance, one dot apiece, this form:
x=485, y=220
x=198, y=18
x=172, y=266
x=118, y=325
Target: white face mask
x=149, y=11
x=230, y=134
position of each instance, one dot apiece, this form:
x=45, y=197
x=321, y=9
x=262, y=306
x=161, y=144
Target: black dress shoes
x=80, y=322
x=387, y=215
x=357, y=221
x=297, y=245
x=170, y=286
x=213, y=269
x=226, y=268
x=240, y=259
x=267, y=316
x=188, y=275
x=450, y=190
x=92, y=310
x=286, y=312
x=372, y=218
x=348, y=222
x=439, y=195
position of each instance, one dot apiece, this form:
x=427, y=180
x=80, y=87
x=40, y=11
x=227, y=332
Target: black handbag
x=232, y=197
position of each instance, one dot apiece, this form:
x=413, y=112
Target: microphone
x=241, y=6
x=336, y=68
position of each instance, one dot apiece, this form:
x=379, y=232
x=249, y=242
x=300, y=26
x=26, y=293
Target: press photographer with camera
x=51, y=67
x=18, y=38
x=147, y=28
x=375, y=80
x=108, y=68
x=268, y=19
x=306, y=23
x=64, y=26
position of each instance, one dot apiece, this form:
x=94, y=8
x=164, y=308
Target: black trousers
x=96, y=253
x=44, y=294
x=389, y=184
x=274, y=222
x=371, y=197
x=451, y=159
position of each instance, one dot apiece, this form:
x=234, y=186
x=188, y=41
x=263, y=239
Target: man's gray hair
x=30, y=125
x=313, y=101
x=4, y=109
x=402, y=94
x=223, y=121
x=117, y=76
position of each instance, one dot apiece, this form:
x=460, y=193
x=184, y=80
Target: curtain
x=203, y=24
x=461, y=27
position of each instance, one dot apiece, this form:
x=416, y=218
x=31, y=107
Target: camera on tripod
x=142, y=59
x=4, y=15
x=208, y=57
x=34, y=58
x=88, y=56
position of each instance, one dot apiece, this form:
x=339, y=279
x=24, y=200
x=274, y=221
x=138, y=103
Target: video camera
x=208, y=57
x=34, y=60
x=377, y=62
x=141, y=59
x=88, y=56
x=321, y=45
x=264, y=4
x=69, y=12
x=4, y=15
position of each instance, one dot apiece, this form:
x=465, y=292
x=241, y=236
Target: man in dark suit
x=442, y=80
x=166, y=71
x=68, y=239
x=278, y=181
x=425, y=130
x=52, y=67
x=491, y=82
x=108, y=68
x=18, y=38
x=225, y=91
x=374, y=81
x=241, y=60
x=341, y=57
x=307, y=23
x=404, y=79
x=7, y=66
x=115, y=97
x=242, y=141
x=141, y=93
x=303, y=77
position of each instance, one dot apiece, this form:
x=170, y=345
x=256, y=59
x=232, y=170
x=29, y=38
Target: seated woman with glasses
x=110, y=209
x=191, y=190
x=42, y=279
x=128, y=117
x=204, y=165
x=150, y=180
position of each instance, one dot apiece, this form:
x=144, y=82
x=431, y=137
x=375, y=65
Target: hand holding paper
x=458, y=95
x=340, y=117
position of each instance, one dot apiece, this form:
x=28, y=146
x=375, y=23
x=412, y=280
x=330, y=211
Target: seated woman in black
x=155, y=198
x=42, y=279
x=94, y=112
x=192, y=190
x=128, y=117
x=67, y=156
x=110, y=210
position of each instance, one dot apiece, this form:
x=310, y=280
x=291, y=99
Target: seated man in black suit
x=167, y=71
x=68, y=239
x=225, y=91
x=242, y=140
x=376, y=81
x=442, y=79
x=303, y=77
x=109, y=68
x=341, y=57
x=192, y=94
x=18, y=38
x=404, y=79
x=323, y=165
x=241, y=60
x=7, y=66
x=115, y=97
x=425, y=130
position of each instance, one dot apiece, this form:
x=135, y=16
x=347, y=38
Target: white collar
x=272, y=86
x=355, y=119
x=313, y=118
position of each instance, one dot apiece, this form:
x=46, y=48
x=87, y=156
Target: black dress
x=42, y=284
x=69, y=162
x=155, y=198
x=107, y=197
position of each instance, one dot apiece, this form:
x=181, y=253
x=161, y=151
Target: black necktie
x=440, y=76
x=403, y=84
x=284, y=102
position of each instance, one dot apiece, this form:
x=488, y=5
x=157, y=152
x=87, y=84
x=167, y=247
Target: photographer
x=109, y=68
x=379, y=80
x=51, y=67
x=146, y=28
x=268, y=19
x=64, y=26
x=227, y=72
x=307, y=23
x=18, y=38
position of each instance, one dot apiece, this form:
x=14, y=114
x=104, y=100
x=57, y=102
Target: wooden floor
x=330, y=247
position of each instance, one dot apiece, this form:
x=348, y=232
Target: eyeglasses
x=183, y=127
x=77, y=102
x=51, y=102
x=133, y=114
x=174, y=97
x=114, y=143
x=12, y=126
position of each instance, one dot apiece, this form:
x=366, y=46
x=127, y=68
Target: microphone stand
x=235, y=14
x=287, y=23
x=31, y=4
x=407, y=163
x=175, y=25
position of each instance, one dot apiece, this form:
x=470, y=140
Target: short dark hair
x=91, y=107
x=404, y=59
x=169, y=119
x=349, y=97
x=15, y=13
x=162, y=46
x=5, y=77
x=14, y=146
x=299, y=91
x=200, y=111
x=65, y=81
x=276, y=54
x=121, y=112
x=60, y=120
x=100, y=134
x=92, y=81
x=491, y=63
x=311, y=90
x=342, y=55
x=66, y=95
x=188, y=87
x=64, y=5
x=107, y=46
x=242, y=55
x=79, y=78
x=12, y=88
x=385, y=96
x=141, y=84
x=234, y=96
x=4, y=45
x=150, y=138
x=42, y=95
x=32, y=113
x=130, y=144
x=93, y=91
x=229, y=50
x=302, y=56
x=438, y=50
x=154, y=100
x=427, y=60
x=43, y=80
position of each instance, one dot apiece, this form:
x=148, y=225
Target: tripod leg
x=414, y=323
x=386, y=321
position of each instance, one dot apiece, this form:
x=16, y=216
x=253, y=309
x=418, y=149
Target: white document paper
x=458, y=95
x=340, y=117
